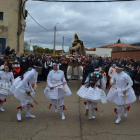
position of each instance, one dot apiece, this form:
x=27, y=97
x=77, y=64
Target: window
x=1, y=15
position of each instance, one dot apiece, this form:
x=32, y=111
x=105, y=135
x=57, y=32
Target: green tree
x=119, y=41
x=51, y=51
x=35, y=47
x=42, y=50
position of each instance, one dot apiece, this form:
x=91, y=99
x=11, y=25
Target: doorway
x=2, y=45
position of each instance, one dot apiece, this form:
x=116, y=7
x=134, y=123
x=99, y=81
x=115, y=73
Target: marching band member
x=122, y=93
x=57, y=89
x=92, y=91
x=6, y=79
x=25, y=86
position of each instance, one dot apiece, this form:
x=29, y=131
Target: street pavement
x=48, y=125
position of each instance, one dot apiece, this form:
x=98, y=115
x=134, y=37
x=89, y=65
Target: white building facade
x=103, y=52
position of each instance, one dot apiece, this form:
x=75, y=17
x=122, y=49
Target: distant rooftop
x=121, y=45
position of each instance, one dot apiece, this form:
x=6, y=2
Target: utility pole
x=54, y=40
x=63, y=45
x=30, y=44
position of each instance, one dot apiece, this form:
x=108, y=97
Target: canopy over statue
x=77, y=45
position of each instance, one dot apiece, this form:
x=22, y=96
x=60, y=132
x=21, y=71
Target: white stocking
x=2, y=97
x=87, y=105
x=28, y=115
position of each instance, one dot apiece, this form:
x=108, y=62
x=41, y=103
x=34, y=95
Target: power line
x=79, y=1
x=58, y=34
x=39, y=24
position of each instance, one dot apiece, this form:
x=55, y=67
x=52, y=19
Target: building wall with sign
x=10, y=24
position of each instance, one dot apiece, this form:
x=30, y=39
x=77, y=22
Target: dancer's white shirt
x=56, y=78
x=6, y=77
x=31, y=78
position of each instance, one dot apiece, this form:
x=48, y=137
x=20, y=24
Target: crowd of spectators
x=20, y=63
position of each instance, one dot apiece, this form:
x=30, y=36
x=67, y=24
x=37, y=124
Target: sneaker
x=19, y=117
x=118, y=121
x=1, y=109
x=63, y=116
x=30, y=116
x=91, y=117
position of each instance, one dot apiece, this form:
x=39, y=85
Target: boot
x=118, y=120
x=90, y=116
x=55, y=109
x=1, y=109
x=62, y=113
x=28, y=115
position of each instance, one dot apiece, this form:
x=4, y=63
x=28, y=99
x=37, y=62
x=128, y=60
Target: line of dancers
x=24, y=87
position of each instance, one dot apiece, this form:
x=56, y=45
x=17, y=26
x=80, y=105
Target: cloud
x=97, y=24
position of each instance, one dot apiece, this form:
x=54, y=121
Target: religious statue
x=75, y=70
x=77, y=45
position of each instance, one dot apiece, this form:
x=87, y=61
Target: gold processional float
x=76, y=58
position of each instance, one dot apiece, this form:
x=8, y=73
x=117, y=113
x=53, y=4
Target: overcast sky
x=97, y=24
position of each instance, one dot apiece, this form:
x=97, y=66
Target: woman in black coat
x=23, y=66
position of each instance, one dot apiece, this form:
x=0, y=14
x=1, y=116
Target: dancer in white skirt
x=122, y=94
x=25, y=86
x=6, y=79
x=92, y=92
x=57, y=89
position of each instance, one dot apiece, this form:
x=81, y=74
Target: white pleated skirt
x=19, y=92
x=57, y=92
x=5, y=92
x=92, y=94
x=119, y=100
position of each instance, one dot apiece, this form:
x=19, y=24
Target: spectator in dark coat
x=23, y=66
x=88, y=69
x=64, y=67
x=7, y=51
x=29, y=62
x=13, y=51
x=137, y=81
x=107, y=66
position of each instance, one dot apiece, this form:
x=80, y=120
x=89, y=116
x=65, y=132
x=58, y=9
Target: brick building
x=58, y=52
x=134, y=54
